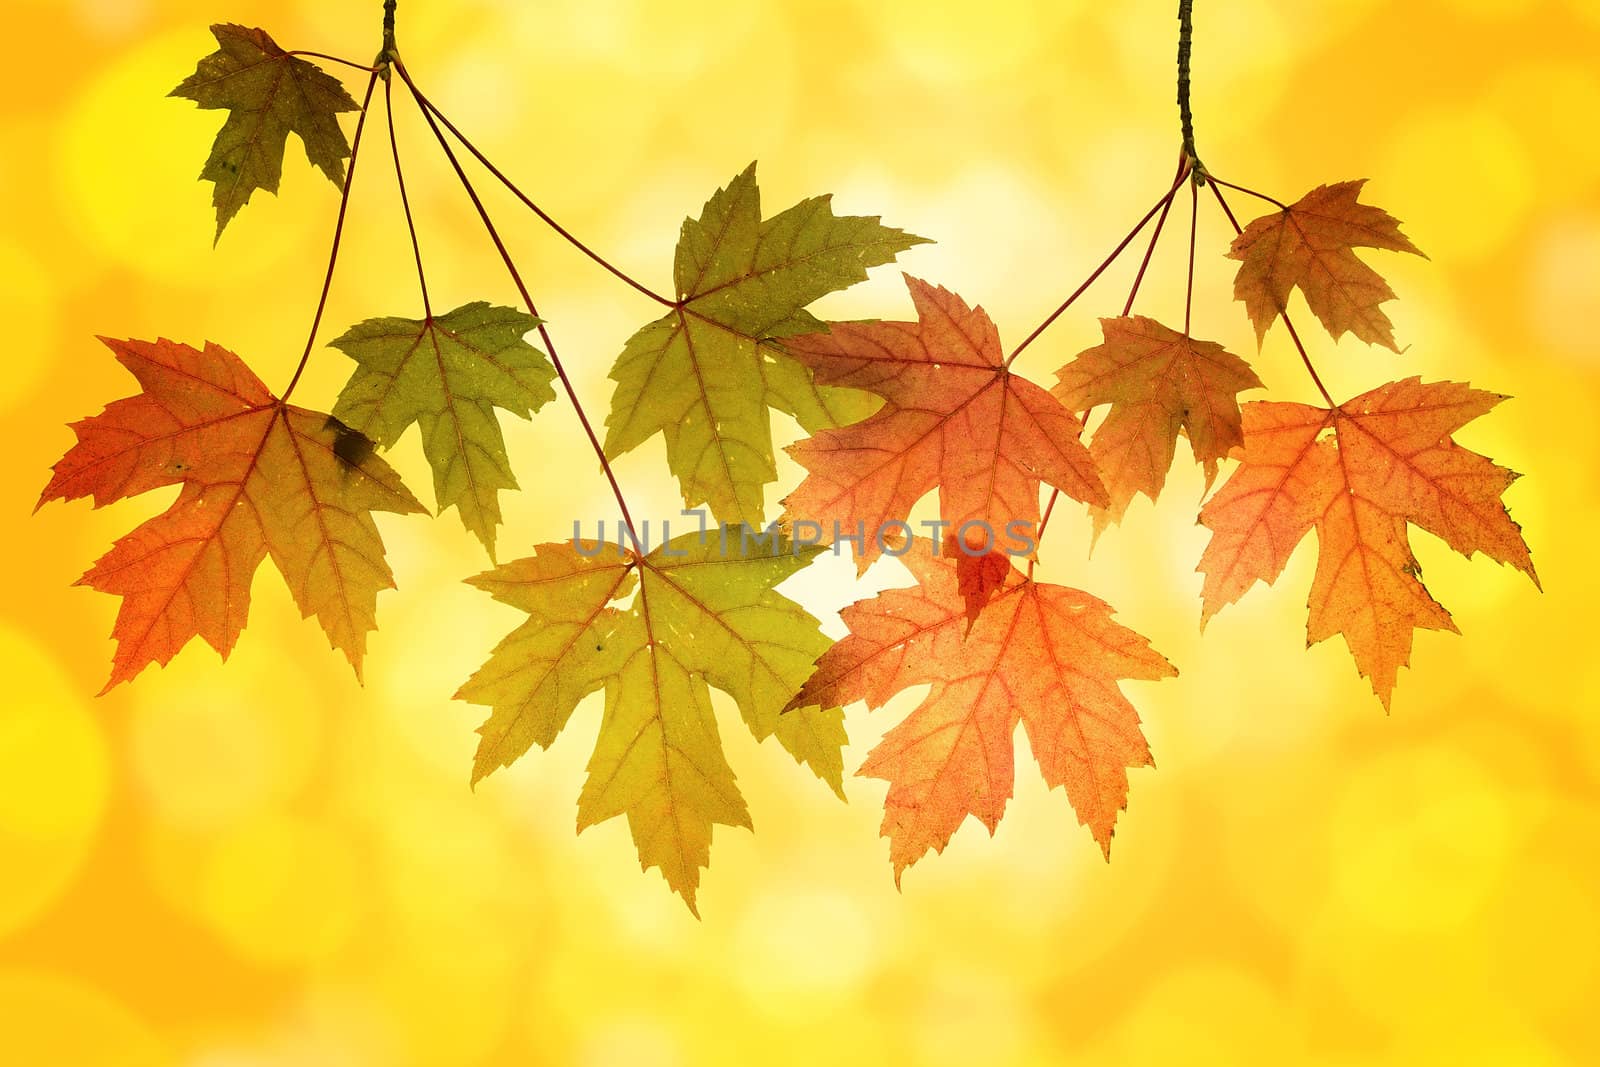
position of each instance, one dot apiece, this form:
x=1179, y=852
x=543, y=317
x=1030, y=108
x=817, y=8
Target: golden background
x=264, y=865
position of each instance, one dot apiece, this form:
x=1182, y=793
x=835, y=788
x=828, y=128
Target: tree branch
x=1185, y=115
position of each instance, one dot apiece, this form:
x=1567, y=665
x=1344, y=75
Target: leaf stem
x=405, y=201
x=1250, y=192
x=428, y=106
x=1163, y=206
x=1194, y=227
x=1185, y=115
x=338, y=233
x=1101, y=269
x=1294, y=335
x=333, y=59
x=527, y=298
x=1150, y=249
x=1050, y=506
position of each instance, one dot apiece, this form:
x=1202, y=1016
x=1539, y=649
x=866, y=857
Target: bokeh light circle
x=54, y=779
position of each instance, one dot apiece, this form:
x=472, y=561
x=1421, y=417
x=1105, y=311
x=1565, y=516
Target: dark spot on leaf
x=351, y=446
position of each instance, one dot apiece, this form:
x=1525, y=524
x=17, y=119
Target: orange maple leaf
x=956, y=418
x=1310, y=244
x=260, y=477
x=1045, y=655
x=1359, y=473
x=1158, y=382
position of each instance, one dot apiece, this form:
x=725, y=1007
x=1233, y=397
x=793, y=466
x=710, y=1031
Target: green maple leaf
x=268, y=94
x=447, y=374
x=703, y=613
x=704, y=374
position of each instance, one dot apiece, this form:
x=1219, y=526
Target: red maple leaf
x=1359, y=473
x=260, y=477
x=955, y=418
x=980, y=573
x=1046, y=656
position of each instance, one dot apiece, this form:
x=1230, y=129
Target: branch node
x=387, y=53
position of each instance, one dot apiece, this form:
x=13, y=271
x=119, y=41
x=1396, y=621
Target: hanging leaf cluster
x=893, y=411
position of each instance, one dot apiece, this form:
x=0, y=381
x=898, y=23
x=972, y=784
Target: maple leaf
x=979, y=574
x=268, y=94
x=704, y=374
x=1046, y=656
x=1358, y=474
x=955, y=418
x=1310, y=244
x=1158, y=382
x=447, y=374
x=703, y=613
x=260, y=477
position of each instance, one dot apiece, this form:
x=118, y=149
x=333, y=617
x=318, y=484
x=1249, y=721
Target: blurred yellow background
x=265, y=865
